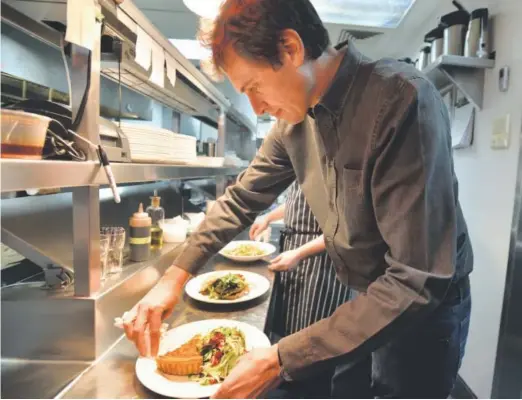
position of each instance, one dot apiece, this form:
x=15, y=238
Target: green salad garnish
x=221, y=350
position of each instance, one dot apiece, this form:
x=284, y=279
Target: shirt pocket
x=352, y=178
x=352, y=204
x=358, y=233
x=357, y=205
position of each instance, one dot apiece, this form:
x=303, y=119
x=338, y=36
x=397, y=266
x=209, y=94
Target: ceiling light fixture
x=370, y=13
x=204, y=8
x=191, y=49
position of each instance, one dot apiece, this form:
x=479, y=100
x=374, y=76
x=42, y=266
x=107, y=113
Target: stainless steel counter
x=113, y=376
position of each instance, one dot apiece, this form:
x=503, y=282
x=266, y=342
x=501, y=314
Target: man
x=369, y=143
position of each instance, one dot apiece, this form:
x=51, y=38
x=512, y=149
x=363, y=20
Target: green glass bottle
x=157, y=215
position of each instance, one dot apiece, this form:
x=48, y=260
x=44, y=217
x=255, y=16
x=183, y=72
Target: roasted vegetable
x=228, y=287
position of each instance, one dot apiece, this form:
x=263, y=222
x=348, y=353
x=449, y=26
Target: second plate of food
x=225, y=287
x=247, y=250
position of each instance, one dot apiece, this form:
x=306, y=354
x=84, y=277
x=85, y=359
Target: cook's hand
x=258, y=228
x=256, y=373
x=285, y=261
x=157, y=304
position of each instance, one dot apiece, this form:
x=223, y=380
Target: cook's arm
x=269, y=174
x=312, y=248
x=276, y=214
x=415, y=210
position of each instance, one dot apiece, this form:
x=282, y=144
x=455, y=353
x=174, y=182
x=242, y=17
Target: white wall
x=487, y=187
x=488, y=180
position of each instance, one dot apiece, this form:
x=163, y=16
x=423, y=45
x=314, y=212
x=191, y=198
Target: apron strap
x=287, y=232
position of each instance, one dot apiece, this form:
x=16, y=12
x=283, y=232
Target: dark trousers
x=423, y=362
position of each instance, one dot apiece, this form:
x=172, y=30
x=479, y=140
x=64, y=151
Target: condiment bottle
x=157, y=215
x=139, y=240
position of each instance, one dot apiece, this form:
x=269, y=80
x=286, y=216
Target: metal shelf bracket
x=465, y=73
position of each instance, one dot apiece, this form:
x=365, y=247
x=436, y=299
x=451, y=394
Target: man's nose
x=258, y=105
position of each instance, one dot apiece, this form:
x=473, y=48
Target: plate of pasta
x=247, y=250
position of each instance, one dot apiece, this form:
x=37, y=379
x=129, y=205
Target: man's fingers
x=224, y=389
x=277, y=259
x=139, y=329
x=253, y=231
x=276, y=263
x=128, y=324
x=277, y=267
x=167, y=312
x=155, y=330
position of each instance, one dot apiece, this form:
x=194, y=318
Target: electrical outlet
x=500, y=136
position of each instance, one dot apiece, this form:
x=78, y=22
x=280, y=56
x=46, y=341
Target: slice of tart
x=185, y=360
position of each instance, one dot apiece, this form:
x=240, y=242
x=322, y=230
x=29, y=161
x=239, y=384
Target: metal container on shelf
x=209, y=149
x=476, y=36
x=424, y=58
x=199, y=148
x=455, y=25
x=436, y=38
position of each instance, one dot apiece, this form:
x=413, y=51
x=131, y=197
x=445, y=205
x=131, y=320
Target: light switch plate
x=503, y=79
x=500, y=136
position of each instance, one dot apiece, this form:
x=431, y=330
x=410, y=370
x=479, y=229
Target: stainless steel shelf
x=466, y=73
x=32, y=28
x=460, y=61
x=242, y=119
x=40, y=174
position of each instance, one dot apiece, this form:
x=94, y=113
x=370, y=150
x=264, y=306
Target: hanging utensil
x=104, y=160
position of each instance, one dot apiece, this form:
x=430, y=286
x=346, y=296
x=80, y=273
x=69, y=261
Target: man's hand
x=285, y=261
x=152, y=309
x=256, y=373
x=258, y=228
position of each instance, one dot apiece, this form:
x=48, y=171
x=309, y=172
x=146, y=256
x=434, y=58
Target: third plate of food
x=247, y=250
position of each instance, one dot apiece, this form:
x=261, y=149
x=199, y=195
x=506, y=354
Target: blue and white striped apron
x=311, y=291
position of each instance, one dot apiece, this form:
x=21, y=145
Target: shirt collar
x=335, y=96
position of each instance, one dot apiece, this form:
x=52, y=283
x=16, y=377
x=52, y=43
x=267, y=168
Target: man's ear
x=292, y=48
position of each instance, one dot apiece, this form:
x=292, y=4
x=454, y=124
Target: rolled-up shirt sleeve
x=256, y=188
x=415, y=209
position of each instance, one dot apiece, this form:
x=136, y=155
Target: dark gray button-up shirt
x=374, y=162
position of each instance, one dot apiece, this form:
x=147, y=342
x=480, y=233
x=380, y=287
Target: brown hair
x=254, y=29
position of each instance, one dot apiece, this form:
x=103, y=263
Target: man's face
x=283, y=93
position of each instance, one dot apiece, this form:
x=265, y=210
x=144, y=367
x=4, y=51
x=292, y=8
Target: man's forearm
x=174, y=279
x=176, y=275
x=269, y=174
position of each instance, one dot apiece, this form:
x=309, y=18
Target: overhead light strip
x=371, y=13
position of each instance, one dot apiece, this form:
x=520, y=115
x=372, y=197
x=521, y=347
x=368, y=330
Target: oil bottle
x=157, y=215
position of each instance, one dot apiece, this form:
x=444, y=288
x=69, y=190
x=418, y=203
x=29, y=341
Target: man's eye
x=254, y=89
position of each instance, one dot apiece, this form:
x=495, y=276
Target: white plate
x=266, y=247
x=258, y=286
x=182, y=387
